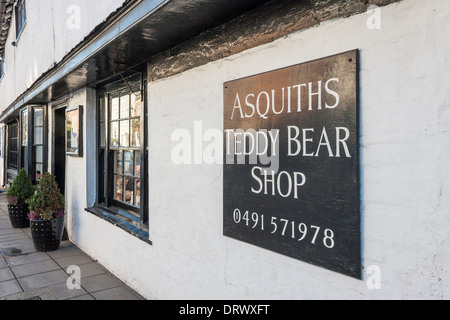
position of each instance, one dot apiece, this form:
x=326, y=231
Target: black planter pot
x=47, y=235
x=18, y=215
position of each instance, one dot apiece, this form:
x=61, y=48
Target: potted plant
x=47, y=215
x=17, y=196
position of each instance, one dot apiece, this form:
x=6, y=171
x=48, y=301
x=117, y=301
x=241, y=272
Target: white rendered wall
x=53, y=29
x=76, y=168
x=405, y=127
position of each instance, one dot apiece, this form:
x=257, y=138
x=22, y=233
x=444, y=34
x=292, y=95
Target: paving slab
x=91, y=269
x=12, y=235
x=118, y=293
x=100, y=282
x=26, y=245
x=37, y=294
x=27, y=258
x=62, y=292
x=3, y=263
x=84, y=297
x=42, y=280
x=34, y=268
x=29, y=275
x=76, y=260
x=9, y=287
x=65, y=250
x=7, y=231
x=5, y=225
x=6, y=274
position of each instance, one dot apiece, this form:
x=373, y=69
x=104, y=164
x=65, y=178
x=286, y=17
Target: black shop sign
x=291, y=162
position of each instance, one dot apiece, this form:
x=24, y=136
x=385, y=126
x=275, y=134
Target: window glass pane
x=25, y=127
x=114, y=134
x=128, y=163
x=115, y=108
x=137, y=164
x=118, y=188
x=21, y=16
x=24, y=159
x=38, y=135
x=118, y=162
x=12, y=160
x=39, y=154
x=136, y=133
x=39, y=172
x=38, y=117
x=125, y=106
x=135, y=105
x=102, y=135
x=13, y=131
x=125, y=133
x=2, y=67
x=138, y=192
x=102, y=109
x=129, y=190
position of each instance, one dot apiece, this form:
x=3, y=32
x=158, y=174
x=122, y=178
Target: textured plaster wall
x=405, y=122
x=53, y=29
x=76, y=185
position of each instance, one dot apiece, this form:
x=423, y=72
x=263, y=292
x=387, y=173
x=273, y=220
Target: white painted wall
x=51, y=31
x=76, y=167
x=405, y=129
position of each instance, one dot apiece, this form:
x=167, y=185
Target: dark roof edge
x=6, y=11
x=267, y=23
x=111, y=19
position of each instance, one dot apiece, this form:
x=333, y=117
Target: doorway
x=59, y=147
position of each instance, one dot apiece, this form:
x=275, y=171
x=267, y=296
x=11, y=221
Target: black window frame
x=36, y=144
x=12, y=164
x=133, y=85
x=29, y=150
x=13, y=145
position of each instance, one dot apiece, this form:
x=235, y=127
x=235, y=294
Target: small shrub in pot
x=17, y=196
x=47, y=215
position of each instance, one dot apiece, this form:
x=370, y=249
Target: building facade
x=131, y=105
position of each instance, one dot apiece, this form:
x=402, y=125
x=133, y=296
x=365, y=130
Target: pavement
x=65, y=274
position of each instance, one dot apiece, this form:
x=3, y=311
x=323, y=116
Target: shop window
x=24, y=127
x=13, y=146
x=32, y=130
x=12, y=151
x=125, y=124
x=38, y=143
x=122, y=150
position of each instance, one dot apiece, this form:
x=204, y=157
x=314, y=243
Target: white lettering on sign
x=252, y=146
x=297, y=231
x=264, y=102
x=291, y=145
x=271, y=183
x=302, y=146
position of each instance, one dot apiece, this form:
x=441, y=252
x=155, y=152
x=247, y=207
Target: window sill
x=119, y=221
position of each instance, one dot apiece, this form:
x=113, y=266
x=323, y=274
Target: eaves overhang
x=6, y=12
x=126, y=40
